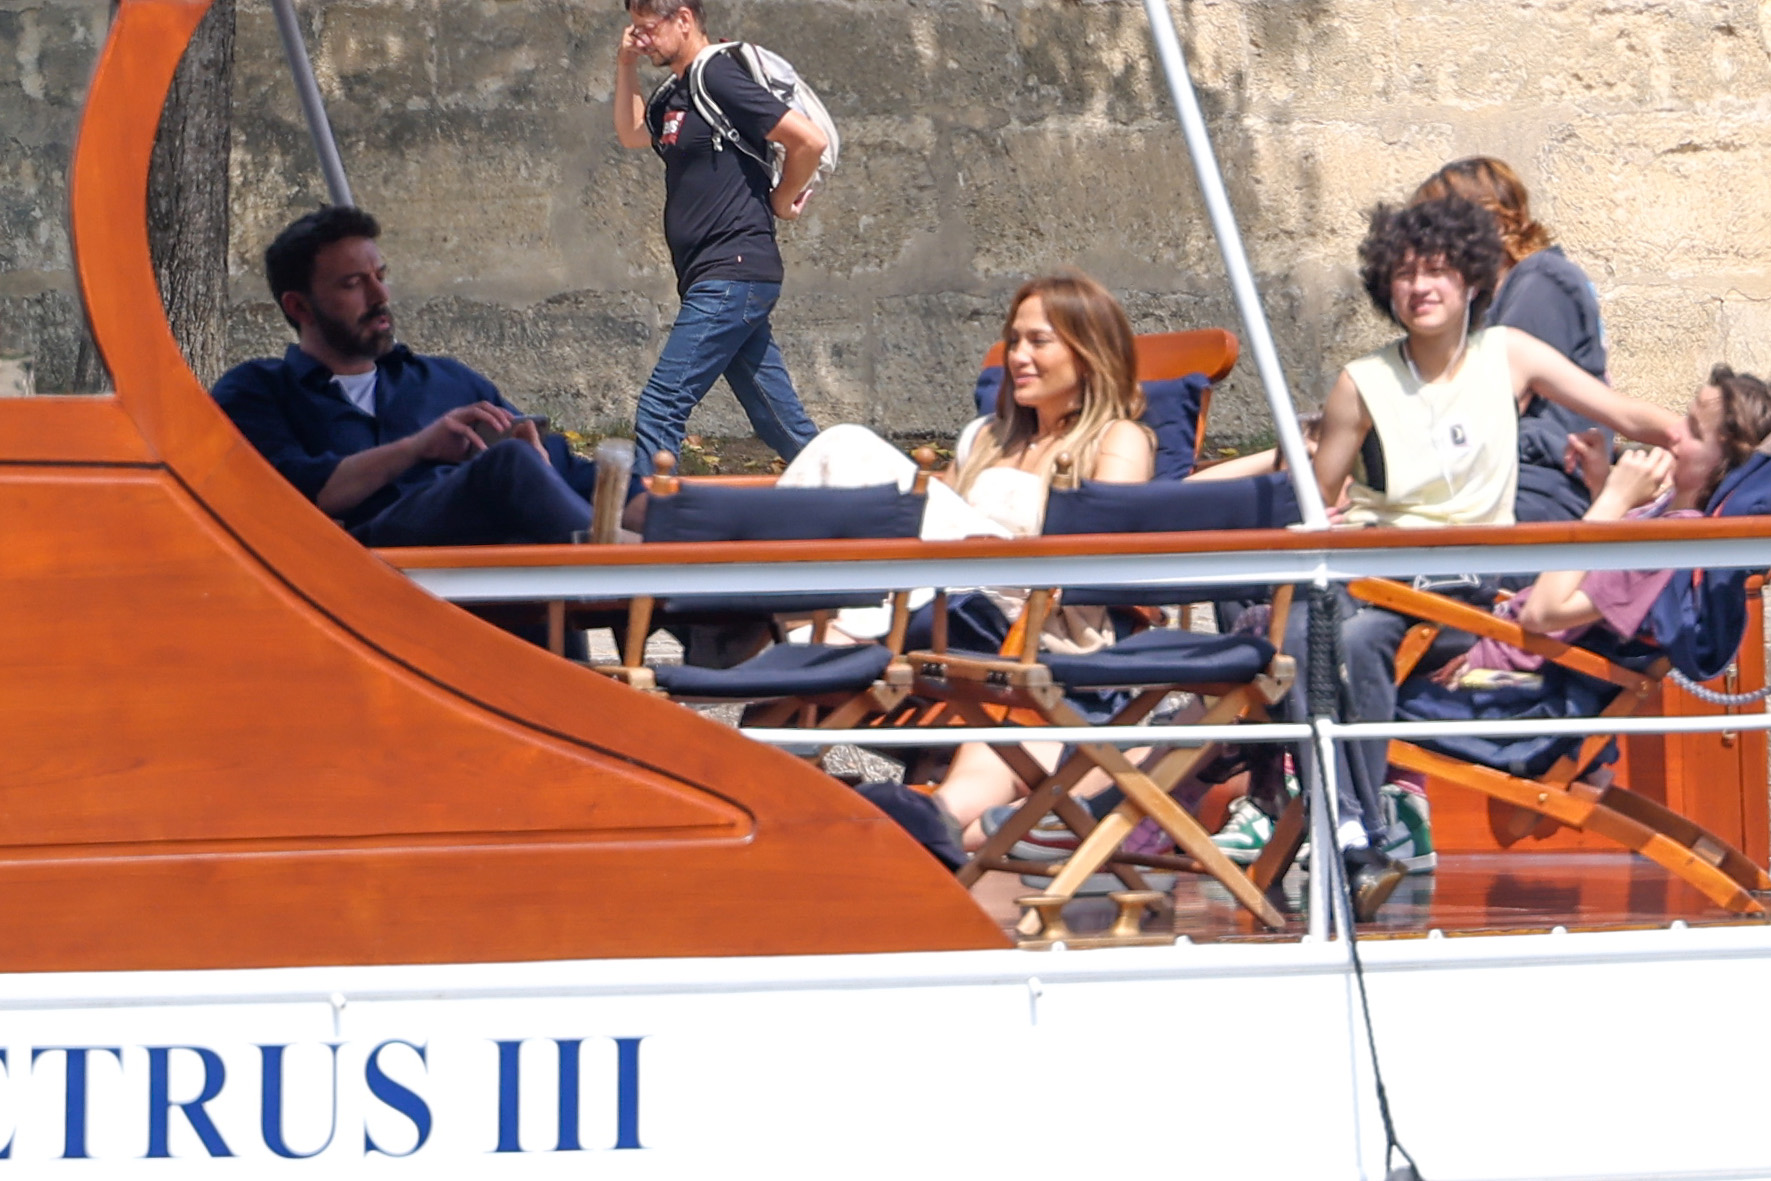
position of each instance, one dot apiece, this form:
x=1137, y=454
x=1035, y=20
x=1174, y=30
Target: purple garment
x=1621, y=597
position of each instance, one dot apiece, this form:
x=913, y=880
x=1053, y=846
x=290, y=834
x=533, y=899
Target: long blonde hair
x=1093, y=326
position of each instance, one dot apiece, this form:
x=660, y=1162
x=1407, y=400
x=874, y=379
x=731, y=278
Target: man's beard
x=355, y=340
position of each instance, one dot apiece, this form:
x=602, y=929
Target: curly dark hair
x=289, y=261
x=1746, y=422
x=1459, y=231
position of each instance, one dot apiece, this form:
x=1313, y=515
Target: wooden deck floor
x=1470, y=893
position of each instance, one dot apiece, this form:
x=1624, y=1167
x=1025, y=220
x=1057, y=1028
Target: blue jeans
x=508, y=494
x=723, y=328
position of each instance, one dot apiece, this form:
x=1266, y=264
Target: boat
x=309, y=870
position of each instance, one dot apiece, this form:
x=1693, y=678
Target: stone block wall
x=983, y=141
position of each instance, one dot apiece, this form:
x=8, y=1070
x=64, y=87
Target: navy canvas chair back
x=1700, y=619
x=1252, y=502
x=712, y=512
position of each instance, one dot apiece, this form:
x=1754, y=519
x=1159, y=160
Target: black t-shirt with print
x=716, y=204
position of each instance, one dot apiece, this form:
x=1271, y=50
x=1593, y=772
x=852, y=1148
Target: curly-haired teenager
x=1426, y=427
x=1544, y=294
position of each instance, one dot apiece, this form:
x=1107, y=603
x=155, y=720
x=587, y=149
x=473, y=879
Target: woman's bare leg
x=979, y=780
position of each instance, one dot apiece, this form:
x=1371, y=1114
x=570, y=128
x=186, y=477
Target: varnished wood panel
x=65, y=428
x=229, y=736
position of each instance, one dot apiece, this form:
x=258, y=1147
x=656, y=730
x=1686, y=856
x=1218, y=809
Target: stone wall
x=982, y=142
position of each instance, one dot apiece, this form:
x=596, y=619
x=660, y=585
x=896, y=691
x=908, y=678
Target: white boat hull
x=1628, y=1054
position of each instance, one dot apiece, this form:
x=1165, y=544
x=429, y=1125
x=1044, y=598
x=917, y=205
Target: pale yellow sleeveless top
x=1451, y=447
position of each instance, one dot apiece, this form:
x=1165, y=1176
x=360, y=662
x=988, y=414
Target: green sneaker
x=1246, y=832
x=1408, y=829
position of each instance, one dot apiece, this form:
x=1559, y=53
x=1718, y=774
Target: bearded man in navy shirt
x=720, y=208
x=400, y=449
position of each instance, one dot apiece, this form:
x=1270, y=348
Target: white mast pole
x=312, y=106
x=1223, y=223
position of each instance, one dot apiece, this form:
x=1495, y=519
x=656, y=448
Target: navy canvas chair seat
x=1240, y=676
x=809, y=684
x=1556, y=777
x=1557, y=694
x=1159, y=655
x=782, y=670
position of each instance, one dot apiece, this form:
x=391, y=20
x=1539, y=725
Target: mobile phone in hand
x=491, y=434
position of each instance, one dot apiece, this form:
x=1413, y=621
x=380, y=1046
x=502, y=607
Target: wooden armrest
x=1405, y=600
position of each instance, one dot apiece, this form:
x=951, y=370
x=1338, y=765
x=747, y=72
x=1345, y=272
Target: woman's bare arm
x=1259, y=463
x=1126, y=455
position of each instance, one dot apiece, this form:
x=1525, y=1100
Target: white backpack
x=775, y=74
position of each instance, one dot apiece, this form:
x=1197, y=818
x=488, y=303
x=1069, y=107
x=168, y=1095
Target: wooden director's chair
x=1239, y=675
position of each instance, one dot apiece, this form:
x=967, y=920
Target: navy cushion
x=785, y=670
x=1171, y=412
x=1563, y=694
x=1164, y=657
x=1266, y=501
x=712, y=512
x=1700, y=618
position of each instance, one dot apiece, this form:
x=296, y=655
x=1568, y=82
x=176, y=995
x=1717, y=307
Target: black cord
x=1392, y=1145
x=1324, y=692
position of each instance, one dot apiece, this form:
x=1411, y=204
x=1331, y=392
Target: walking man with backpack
x=721, y=202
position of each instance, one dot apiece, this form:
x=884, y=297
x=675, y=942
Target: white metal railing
x=1022, y=564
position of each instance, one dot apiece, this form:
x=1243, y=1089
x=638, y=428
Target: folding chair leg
x=1632, y=821
x=1187, y=833
x=1051, y=793
x=1704, y=844
x=1282, y=847
x=1106, y=836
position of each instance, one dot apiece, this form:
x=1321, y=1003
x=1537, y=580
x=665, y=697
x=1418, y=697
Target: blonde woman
x=1069, y=387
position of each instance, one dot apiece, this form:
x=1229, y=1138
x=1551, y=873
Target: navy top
x=298, y=418
x=716, y=202
x=1551, y=298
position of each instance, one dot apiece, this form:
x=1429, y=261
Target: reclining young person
x=1726, y=421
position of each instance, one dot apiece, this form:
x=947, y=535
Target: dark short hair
x=289, y=261
x=1459, y=231
x=664, y=8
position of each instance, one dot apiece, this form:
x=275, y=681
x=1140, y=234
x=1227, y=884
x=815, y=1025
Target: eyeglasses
x=646, y=32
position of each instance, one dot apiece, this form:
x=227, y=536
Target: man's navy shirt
x=298, y=418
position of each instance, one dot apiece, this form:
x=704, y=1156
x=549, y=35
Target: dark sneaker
x=1371, y=877
x=1047, y=840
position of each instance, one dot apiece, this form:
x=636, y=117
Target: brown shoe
x=1371, y=878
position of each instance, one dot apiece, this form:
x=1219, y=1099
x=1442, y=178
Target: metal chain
x=1703, y=693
